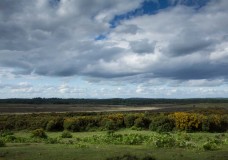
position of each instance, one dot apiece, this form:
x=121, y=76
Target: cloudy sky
x=113, y=48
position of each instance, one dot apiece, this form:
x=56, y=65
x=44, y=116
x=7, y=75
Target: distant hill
x=112, y=101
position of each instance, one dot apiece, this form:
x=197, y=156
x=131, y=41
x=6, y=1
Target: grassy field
x=79, y=148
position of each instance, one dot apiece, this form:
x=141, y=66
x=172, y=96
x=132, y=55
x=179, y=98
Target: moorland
x=114, y=129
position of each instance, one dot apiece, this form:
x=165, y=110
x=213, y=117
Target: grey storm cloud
x=189, y=42
x=196, y=71
x=58, y=38
x=142, y=46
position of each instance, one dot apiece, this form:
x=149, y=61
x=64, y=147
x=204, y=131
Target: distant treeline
x=112, y=101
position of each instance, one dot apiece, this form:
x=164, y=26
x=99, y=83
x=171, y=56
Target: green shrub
x=161, y=124
x=21, y=123
x=215, y=123
x=10, y=138
x=136, y=128
x=133, y=139
x=224, y=123
x=2, y=143
x=110, y=125
x=113, y=138
x=66, y=134
x=129, y=120
x=83, y=123
x=52, y=140
x=55, y=124
x=19, y=139
x=73, y=124
x=50, y=126
x=205, y=125
x=5, y=133
x=37, y=122
x=210, y=146
x=139, y=123
x=165, y=140
x=38, y=133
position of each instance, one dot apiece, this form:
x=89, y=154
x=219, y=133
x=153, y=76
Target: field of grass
x=82, y=147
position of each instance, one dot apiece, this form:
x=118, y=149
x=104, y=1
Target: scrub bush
x=162, y=124
x=129, y=120
x=38, y=133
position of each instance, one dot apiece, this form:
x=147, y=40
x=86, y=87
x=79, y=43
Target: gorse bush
x=38, y=133
x=188, y=121
x=199, y=122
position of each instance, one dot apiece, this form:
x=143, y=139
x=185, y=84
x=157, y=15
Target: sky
x=113, y=48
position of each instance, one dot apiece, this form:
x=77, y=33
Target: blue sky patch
x=54, y=3
x=100, y=37
x=150, y=7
